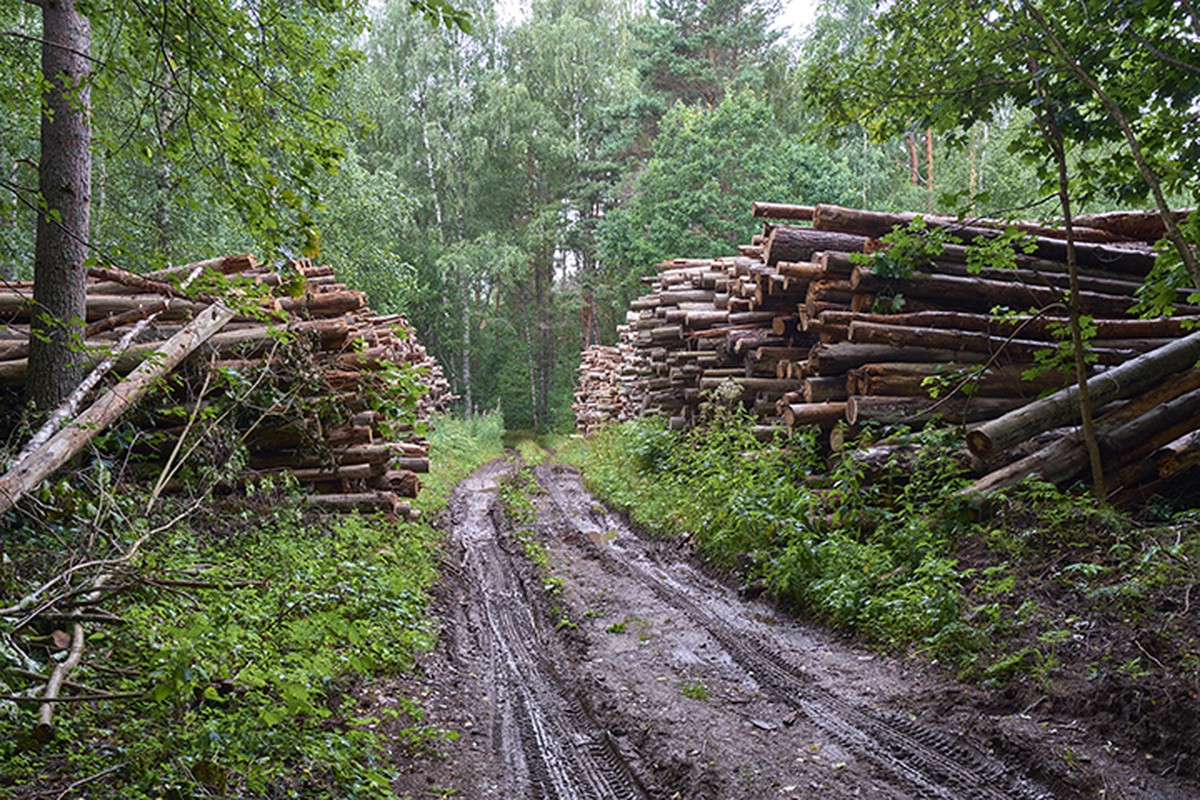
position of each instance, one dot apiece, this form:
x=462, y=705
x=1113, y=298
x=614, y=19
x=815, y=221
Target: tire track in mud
x=549, y=747
x=925, y=762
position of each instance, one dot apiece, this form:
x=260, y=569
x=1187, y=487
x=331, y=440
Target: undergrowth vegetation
x=240, y=636
x=890, y=553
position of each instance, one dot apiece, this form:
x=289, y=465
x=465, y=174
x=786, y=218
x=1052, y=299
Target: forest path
x=639, y=676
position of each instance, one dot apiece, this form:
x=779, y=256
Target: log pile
x=349, y=455
x=812, y=331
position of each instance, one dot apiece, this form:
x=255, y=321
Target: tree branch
x=1174, y=235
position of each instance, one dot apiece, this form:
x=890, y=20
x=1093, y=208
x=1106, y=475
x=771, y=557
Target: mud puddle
x=641, y=677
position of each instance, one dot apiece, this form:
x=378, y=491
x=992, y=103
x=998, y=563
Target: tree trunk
x=64, y=182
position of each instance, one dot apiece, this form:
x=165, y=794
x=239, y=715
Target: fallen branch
x=62, y=446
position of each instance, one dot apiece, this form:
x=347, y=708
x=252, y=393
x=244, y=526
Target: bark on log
x=74, y=437
x=1062, y=406
x=1028, y=326
x=363, y=502
x=913, y=379
x=824, y=415
x=969, y=341
x=788, y=243
x=919, y=410
x=979, y=294
x=820, y=390
x=1127, y=259
x=1178, y=456
x=1146, y=226
x=781, y=211
x=225, y=265
x=841, y=357
x=1066, y=457
x=801, y=270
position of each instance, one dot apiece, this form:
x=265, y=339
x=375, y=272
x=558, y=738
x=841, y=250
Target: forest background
x=507, y=184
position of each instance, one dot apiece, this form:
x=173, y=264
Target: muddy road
x=619, y=669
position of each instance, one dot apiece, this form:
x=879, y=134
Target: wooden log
x=675, y=297
x=877, y=223
x=1038, y=272
x=1066, y=457
x=63, y=445
x=345, y=472
x=353, y=454
x=915, y=379
x=1027, y=325
x=326, y=304
x=1146, y=226
x=979, y=294
x=801, y=270
x=403, y=482
x=836, y=263
x=824, y=415
x=1179, y=455
x=141, y=284
x=1061, y=407
x=841, y=357
x=820, y=390
x=750, y=384
x=377, y=501
x=1126, y=259
x=696, y=320
x=781, y=211
x=225, y=265
x=1131, y=441
x=787, y=243
x=919, y=410
x=969, y=341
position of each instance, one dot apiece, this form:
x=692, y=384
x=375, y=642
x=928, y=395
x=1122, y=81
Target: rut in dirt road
x=641, y=677
x=916, y=761
x=547, y=745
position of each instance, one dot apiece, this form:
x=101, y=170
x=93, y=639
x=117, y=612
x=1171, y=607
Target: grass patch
x=248, y=629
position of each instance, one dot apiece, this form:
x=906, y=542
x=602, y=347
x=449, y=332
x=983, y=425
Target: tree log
x=1179, y=455
x=841, y=357
x=74, y=437
x=820, y=390
x=787, y=243
x=970, y=293
x=1029, y=326
x=913, y=379
x=1132, y=259
x=825, y=415
x=1066, y=457
x=919, y=410
x=781, y=211
x=1061, y=407
x=363, y=502
x=969, y=341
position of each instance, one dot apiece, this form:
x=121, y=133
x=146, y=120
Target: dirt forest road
x=639, y=676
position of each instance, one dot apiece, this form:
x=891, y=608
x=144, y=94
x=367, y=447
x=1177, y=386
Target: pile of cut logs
x=805, y=324
x=348, y=455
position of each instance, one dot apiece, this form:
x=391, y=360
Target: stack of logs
x=812, y=335
x=347, y=455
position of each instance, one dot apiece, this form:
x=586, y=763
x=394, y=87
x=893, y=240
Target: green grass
x=249, y=628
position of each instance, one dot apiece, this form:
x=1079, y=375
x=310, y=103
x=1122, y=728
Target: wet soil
x=637, y=675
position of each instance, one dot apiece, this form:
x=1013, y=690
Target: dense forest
x=507, y=183
x=331, y=268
